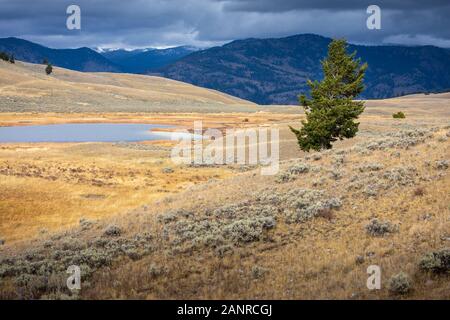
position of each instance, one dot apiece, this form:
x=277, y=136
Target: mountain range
x=139, y=61
x=81, y=59
x=147, y=60
x=265, y=71
x=274, y=71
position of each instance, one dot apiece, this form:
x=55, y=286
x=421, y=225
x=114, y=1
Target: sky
x=165, y=23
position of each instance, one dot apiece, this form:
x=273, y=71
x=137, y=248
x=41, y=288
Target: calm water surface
x=83, y=132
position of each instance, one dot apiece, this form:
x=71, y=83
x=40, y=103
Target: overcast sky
x=163, y=23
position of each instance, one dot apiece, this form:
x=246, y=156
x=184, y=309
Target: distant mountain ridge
x=119, y=55
x=147, y=60
x=274, y=71
x=81, y=59
x=265, y=71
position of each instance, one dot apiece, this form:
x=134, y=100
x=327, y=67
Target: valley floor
x=141, y=230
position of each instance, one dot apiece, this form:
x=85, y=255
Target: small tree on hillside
x=11, y=59
x=49, y=69
x=4, y=56
x=331, y=111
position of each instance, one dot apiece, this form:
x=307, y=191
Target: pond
x=84, y=132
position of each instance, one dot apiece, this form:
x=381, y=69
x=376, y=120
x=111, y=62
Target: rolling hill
x=274, y=71
x=26, y=87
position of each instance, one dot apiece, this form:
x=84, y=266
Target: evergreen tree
x=331, y=111
x=49, y=69
x=4, y=56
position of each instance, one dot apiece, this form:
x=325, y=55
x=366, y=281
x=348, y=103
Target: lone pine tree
x=331, y=110
x=49, y=69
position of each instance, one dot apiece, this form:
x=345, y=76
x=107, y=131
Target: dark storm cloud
x=141, y=23
x=277, y=6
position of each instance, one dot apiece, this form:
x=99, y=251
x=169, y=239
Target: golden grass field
x=58, y=199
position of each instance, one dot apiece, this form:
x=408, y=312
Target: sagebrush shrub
x=304, y=204
x=380, y=228
x=441, y=164
x=258, y=272
x=112, y=231
x=156, y=271
x=373, y=166
x=400, y=284
x=436, y=261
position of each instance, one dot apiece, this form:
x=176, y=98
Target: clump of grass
x=359, y=259
x=167, y=170
x=299, y=168
x=156, y=271
x=112, y=231
x=318, y=182
x=174, y=215
x=326, y=213
x=338, y=160
x=402, y=140
x=371, y=190
x=285, y=177
x=402, y=176
x=227, y=211
x=236, y=224
x=86, y=224
x=441, y=164
x=71, y=244
x=59, y=296
x=419, y=192
x=378, y=228
x=248, y=230
x=373, y=166
x=304, y=204
x=292, y=172
x=223, y=250
x=258, y=272
x=400, y=284
x=336, y=173
x=398, y=115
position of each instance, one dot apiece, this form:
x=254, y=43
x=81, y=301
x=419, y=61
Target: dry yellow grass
x=53, y=186
x=26, y=87
x=312, y=260
x=47, y=186
x=179, y=119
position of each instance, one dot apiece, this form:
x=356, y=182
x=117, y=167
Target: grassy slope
x=151, y=259
x=311, y=259
x=25, y=87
